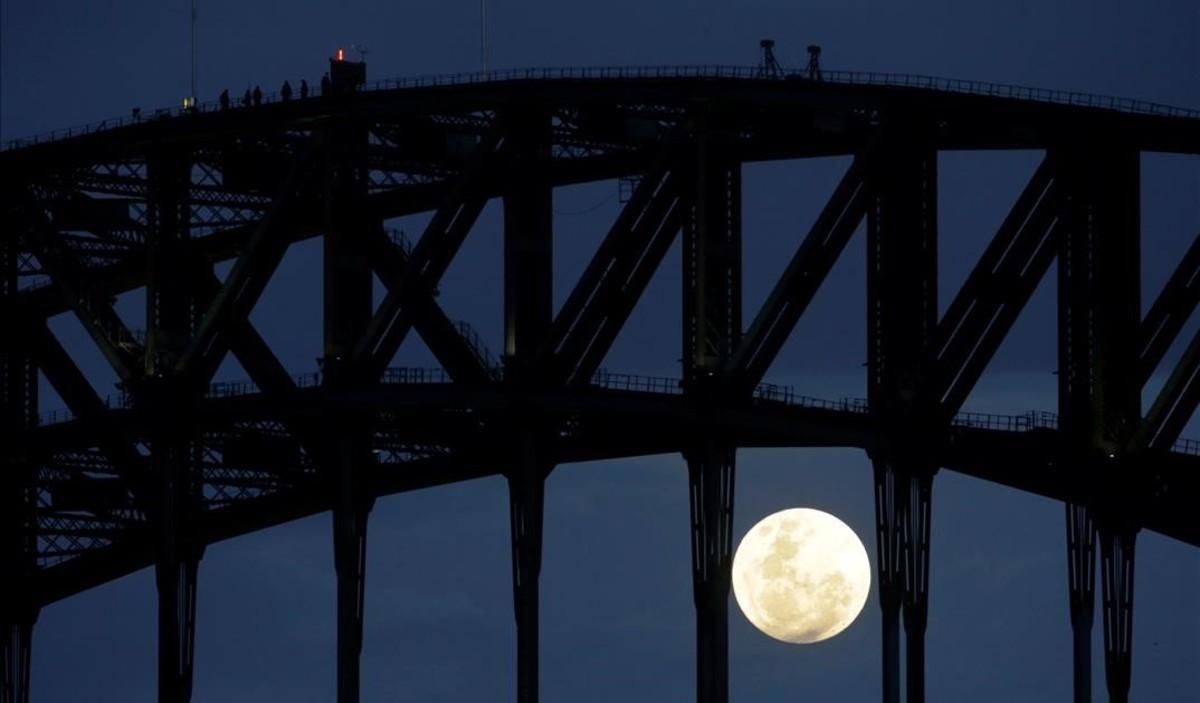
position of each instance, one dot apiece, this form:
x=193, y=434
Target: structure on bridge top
x=174, y=462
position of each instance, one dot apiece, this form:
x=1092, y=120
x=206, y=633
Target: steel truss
x=176, y=462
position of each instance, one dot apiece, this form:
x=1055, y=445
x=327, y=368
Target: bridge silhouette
x=177, y=461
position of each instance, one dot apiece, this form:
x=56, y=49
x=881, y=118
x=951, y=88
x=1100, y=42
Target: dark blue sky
x=617, y=618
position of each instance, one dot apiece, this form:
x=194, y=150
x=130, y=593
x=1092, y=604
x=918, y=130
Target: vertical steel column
x=1100, y=400
x=16, y=649
x=526, y=491
x=19, y=609
x=348, y=308
x=528, y=312
x=712, y=313
x=1081, y=582
x=1116, y=566
x=1117, y=215
x=164, y=401
x=916, y=579
x=18, y=500
x=710, y=492
x=350, y=512
x=901, y=321
x=891, y=499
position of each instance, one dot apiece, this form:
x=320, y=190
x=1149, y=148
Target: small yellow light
x=189, y=103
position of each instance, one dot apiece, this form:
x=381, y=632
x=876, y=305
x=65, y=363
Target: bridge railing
x=479, y=348
x=633, y=382
x=1013, y=423
x=400, y=375
x=898, y=80
x=666, y=385
x=1186, y=446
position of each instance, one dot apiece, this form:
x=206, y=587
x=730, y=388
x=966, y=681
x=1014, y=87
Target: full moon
x=801, y=575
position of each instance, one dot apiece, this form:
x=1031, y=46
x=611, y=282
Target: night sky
x=617, y=616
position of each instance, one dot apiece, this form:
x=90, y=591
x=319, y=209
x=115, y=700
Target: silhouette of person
x=225, y=99
x=325, y=84
x=246, y=99
x=286, y=91
x=303, y=89
x=257, y=96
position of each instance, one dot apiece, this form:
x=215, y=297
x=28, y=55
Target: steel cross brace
x=101, y=322
x=77, y=392
x=419, y=309
x=411, y=280
x=247, y=279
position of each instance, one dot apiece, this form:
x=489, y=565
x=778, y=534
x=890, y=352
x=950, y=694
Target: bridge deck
x=616, y=416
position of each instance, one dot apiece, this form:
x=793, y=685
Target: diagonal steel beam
x=251, y=350
x=265, y=370
x=75, y=390
x=1175, y=404
x=625, y=297
x=464, y=362
x=1170, y=311
x=411, y=280
x=609, y=250
x=247, y=280
x=604, y=296
x=107, y=330
x=804, y=275
x=227, y=243
x=1003, y=280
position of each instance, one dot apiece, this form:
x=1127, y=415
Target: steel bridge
x=176, y=462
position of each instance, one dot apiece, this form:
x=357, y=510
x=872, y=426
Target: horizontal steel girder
x=606, y=425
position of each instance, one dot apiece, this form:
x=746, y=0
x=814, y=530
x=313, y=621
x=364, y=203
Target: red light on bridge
x=341, y=54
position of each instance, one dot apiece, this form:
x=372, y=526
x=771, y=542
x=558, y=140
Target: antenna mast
x=192, y=21
x=483, y=47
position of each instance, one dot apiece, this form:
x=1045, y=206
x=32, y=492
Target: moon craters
x=801, y=575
